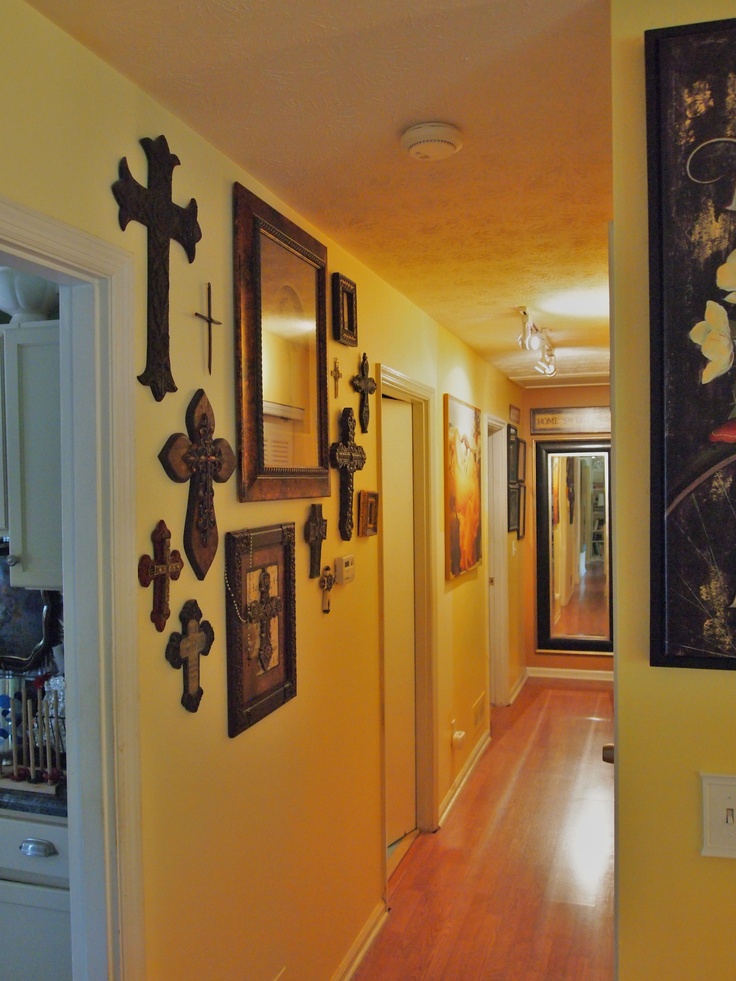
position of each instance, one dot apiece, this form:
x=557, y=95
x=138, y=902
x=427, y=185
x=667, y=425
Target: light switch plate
x=719, y=815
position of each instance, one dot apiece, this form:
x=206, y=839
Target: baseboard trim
x=516, y=690
x=573, y=674
x=460, y=780
x=359, y=947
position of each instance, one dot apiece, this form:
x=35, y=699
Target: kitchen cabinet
x=32, y=458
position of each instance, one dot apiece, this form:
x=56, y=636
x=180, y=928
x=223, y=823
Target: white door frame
x=98, y=531
x=498, y=605
x=421, y=397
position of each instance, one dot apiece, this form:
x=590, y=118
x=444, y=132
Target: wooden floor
x=586, y=612
x=518, y=883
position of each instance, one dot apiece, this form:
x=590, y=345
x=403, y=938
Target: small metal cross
x=363, y=383
x=337, y=375
x=210, y=321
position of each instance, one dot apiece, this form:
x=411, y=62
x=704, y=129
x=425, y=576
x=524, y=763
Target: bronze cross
x=347, y=457
x=164, y=565
x=185, y=649
x=337, y=375
x=154, y=208
x=315, y=532
x=366, y=386
x=262, y=611
x=200, y=459
x=210, y=321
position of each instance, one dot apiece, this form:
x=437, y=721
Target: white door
x=399, y=632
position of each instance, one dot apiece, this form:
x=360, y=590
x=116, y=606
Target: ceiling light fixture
x=547, y=364
x=431, y=141
x=530, y=337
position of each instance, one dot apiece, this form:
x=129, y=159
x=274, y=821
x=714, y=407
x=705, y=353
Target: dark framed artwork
x=463, y=526
x=261, y=623
x=513, y=507
x=521, y=460
x=367, y=513
x=512, y=454
x=344, y=310
x=521, y=531
x=280, y=354
x=692, y=183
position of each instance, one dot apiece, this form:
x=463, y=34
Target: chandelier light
x=534, y=338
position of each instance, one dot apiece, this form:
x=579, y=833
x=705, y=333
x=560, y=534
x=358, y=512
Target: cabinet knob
x=13, y=559
x=38, y=848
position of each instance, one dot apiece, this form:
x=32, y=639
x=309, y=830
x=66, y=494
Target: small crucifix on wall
x=366, y=385
x=159, y=570
x=154, y=208
x=185, y=649
x=210, y=320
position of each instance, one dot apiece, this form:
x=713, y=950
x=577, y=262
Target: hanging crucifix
x=210, y=321
x=185, y=649
x=154, y=208
x=366, y=386
x=315, y=532
x=201, y=459
x=336, y=374
x=347, y=457
x=262, y=611
x=164, y=566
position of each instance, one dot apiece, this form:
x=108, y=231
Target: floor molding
x=359, y=948
x=460, y=780
x=572, y=674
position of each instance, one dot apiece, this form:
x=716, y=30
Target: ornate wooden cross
x=210, y=321
x=262, y=611
x=154, y=208
x=185, y=649
x=347, y=457
x=315, y=532
x=336, y=374
x=200, y=459
x=366, y=386
x=164, y=566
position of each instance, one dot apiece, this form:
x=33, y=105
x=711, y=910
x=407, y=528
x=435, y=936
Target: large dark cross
x=164, y=566
x=315, y=532
x=366, y=386
x=262, y=611
x=201, y=459
x=347, y=457
x=185, y=649
x=154, y=208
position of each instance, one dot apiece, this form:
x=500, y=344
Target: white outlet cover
x=719, y=815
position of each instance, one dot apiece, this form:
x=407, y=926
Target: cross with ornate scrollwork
x=262, y=611
x=347, y=457
x=366, y=386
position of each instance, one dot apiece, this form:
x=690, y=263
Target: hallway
x=518, y=883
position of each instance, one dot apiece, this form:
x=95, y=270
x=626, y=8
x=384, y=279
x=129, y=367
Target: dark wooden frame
x=521, y=460
x=344, y=310
x=691, y=191
x=521, y=530
x=545, y=641
x=251, y=693
x=512, y=454
x=513, y=508
x=252, y=219
x=367, y=513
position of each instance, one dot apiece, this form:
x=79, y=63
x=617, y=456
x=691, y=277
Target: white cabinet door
x=32, y=426
x=36, y=931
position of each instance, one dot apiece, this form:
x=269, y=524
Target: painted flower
x=713, y=335
x=726, y=277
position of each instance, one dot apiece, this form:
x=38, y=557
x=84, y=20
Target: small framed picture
x=513, y=524
x=344, y=310
x=521, y=461
x=367, y=513
x=521, y=530
x=512, y=448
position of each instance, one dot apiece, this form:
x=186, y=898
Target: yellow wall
x=676, y=908
x=263, y=851
x=538, y=398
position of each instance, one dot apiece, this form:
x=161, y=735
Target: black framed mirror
x=280, y=354
x=574, y=590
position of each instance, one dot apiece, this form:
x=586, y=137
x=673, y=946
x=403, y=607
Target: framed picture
x=261, y=623
x=367, y=513
x=462, y=487
x=521, y=531
x=280, y=280
x=512, y=451
x=513, y=508
x=521, y=460
x=344, y=310
x=514, y=414
x=690, y=130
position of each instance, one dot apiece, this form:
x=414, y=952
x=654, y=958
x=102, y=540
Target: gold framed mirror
x=280, y=354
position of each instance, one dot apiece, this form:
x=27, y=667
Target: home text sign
x=588, y=419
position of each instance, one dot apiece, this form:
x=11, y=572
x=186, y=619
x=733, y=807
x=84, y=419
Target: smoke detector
x=432, y=141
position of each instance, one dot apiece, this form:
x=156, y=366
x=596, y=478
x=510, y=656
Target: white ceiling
x=312, y=96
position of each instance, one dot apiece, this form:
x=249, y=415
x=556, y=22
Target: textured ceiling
x=312, y=98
